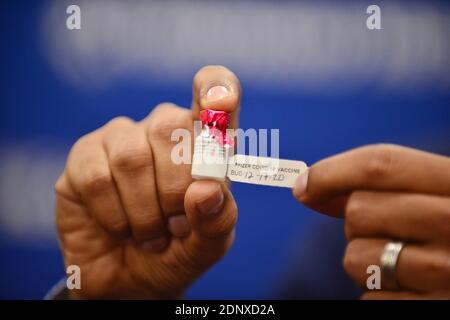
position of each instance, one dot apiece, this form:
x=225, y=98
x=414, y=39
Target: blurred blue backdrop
x=311, y=69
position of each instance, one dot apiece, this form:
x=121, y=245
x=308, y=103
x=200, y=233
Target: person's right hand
x=135, y=223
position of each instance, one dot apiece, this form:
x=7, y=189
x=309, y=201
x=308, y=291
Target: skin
x=136, y=224
x=139, y=226
x=387, y=193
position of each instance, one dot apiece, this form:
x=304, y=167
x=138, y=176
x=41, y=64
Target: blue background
x=274, y=236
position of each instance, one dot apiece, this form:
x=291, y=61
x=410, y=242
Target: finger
x=378, y=167
x=172, y=179
x=131, y=163
x=217, y=88
x=408, y=216
x=89, y=173
x=212, y=212
x=403, y=295
x=392, y=295
x=419, y=269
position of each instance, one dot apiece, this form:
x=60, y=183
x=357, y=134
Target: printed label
x=264, y=171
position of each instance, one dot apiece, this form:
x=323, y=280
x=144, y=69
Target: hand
x=387, y=193
x=135, y=223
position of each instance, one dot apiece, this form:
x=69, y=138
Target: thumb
x=306, y=182
x=212, y=213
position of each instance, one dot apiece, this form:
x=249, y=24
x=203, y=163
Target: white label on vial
x=209, y=158
x=264, y=171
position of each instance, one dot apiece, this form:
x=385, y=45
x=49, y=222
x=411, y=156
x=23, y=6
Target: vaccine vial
x=212, y=147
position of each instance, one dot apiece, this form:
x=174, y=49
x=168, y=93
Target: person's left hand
x=388, y=193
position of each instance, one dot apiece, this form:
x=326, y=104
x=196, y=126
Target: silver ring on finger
x=389, y=260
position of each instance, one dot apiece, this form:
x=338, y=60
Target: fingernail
x=213, y=204
x=179, y=226
x=300, y=184
x=216, y=93
x=155, y=245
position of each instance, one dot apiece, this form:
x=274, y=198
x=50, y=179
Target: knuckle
x=166, y=119
x=60, y=185
x=164, y=109
x=82, y=143
x=62, y=189
x=79, y=148
x=351, y=257
x=354, y=206
x=132, y=158
x=120, y=122
x=380, y=160
x=354, y=212
x=97, y=181
x=162, y=130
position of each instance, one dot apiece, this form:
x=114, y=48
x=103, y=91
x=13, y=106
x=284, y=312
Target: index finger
x=216, y=88
x=376, y=167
